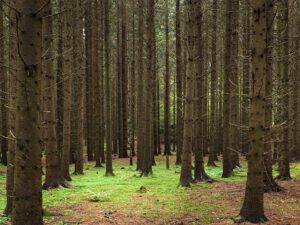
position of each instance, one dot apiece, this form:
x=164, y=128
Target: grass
x=158, y=195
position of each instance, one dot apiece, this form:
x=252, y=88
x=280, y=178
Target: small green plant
x=98, y=196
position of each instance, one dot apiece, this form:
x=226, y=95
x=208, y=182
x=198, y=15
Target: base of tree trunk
x=227, y=175
x=98, y=165
x=78, y=173
x=283, y=177
x=271, y=186
x=109, y=174
x=186, y=182
x=7, y=211
x=251, y=219
x=203, y=176
x=57, y=183
x=236, y=166
x=212, y=164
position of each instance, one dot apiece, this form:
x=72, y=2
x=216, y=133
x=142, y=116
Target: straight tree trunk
x=148, y=104
x=191, y=40
x=227, y=158
x=234, y=86
x=140, y=87
x=269, y=182
x=27, y=207
x=12, y=79
x=167, y=86
x=67, y=71
x=199, y=98
x=179, y=96
x=78, y=74
x=108, y=95
x=3, y=94
x=53, y=175
x=213, y=114
x=253, y=206
x=284, y=166
x=124, y=79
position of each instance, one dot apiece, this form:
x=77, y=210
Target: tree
x=191, y=40
x=78, y=74
x=167, y=86
x=179, y=110
x=199, y=98
x=67, y=71
x=269, y=182
x=148, y=145
x=227, y=159
x=3, y=86
x=213, y=115
x=140, y=87
x=27, y=207
x=53, y=176
x=253, y=207
x=109, y=169
x=11, y=113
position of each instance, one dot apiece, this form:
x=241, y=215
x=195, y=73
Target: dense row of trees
x=86, y=80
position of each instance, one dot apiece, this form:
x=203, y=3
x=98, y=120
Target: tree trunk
x=11, y=113
x=192, y=53
x=27, y=207
x=3, y=94
x=269, y=182
x=140, y=87
x=78, y=74
x=213, y=111
x=108, y=95
x=253, y=209
x=179, y=96
x=67, y=71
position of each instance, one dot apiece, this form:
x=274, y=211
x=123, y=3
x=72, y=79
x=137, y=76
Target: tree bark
x=253, y=207
x=27, y=207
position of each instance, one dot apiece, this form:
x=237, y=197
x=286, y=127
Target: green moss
x=157, y=195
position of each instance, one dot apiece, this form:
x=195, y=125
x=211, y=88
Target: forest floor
x=128, y=199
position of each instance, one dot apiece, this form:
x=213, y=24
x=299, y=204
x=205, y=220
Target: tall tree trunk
x=192, y=53
x=67, y=71
x=3, y=94
x=148, y=104
x=284, y=166
x=27, y=207
x=12, y=79
x=167, y=86
x=253, y=207
x=90, y=126
x=234, y=86
x=124, y=74
x=213, y=110
x=140, y=87
x=269, y=182
x=108, y=94
x=179, y=96
x=53, y=175
x=199, y=98
x=227, y=159
x=78, y=74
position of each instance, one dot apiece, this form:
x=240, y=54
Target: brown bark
x=108, y=94
x=192, y=53
x=67, y=91
x=227, y=159
x=11, y=113
x=179, y=96
x=27, y=207
x=253, y=207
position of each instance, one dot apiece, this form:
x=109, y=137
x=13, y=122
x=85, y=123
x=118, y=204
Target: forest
x=159, y=112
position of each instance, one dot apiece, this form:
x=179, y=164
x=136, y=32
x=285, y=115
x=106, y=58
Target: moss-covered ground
x=127, y=198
